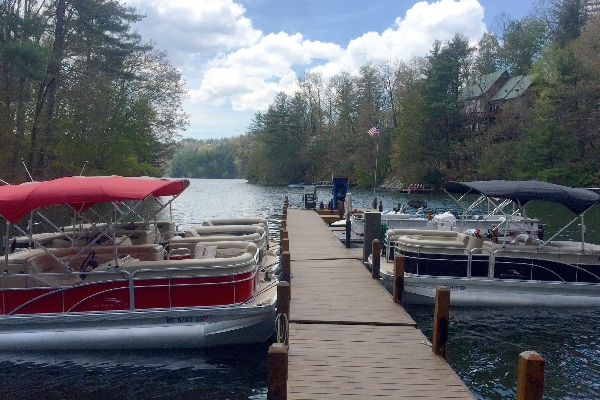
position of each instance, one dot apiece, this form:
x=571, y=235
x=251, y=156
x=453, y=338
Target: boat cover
x=81, y=192
x=575, y=199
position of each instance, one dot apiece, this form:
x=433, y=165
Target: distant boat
x=323, y=184
x=317, y=184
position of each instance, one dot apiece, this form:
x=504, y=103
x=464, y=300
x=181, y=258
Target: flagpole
x=376, y=156
x=374, y=132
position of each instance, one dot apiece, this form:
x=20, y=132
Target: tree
x=22, y=67
x=487, y=60
x=448, y=72
x=523, y=43
x=81, y=88
x=274, y=156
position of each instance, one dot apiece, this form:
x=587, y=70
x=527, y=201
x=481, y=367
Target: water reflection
x=484, y=347
x=224, y=373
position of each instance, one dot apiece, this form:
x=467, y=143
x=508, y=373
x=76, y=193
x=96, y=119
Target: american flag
x=374, y=131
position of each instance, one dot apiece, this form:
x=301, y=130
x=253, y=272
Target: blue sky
x=235, y=55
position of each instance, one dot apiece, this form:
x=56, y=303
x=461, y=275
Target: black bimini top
x=521, y=192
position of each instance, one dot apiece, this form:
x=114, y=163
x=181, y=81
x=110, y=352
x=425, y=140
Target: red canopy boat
x=124, y=295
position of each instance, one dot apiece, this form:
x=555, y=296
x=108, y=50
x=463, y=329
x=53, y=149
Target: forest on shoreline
x=425, y=134
x=82, y=92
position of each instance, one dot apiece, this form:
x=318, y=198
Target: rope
x=282, y=328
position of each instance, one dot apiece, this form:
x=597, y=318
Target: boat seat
x=137, y=236
x=463, y=237
x=522, y=239
x=179, y=253
x=446, y=244
x=190, y=267
x=421, y=232
x=474, y=244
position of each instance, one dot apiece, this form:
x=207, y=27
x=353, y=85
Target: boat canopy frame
x=578, y=200
x=81, y=194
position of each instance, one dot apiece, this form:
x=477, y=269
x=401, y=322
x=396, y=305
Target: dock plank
x=348, y=339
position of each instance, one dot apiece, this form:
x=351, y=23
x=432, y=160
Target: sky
x=236, y=55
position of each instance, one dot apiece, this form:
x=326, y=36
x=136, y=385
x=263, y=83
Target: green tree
x=447, y=73
x=81, y=88
x=274, y=157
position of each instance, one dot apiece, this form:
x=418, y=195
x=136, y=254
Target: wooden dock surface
x=348, y=339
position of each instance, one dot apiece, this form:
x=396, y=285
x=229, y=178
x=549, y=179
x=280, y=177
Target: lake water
x=483, y=349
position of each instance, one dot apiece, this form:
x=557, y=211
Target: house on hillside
x=491, y=93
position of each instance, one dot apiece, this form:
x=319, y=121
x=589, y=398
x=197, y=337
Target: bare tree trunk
x=46, y=98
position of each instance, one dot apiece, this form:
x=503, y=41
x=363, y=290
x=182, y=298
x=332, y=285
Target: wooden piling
x=530, y=377
x=286, y=269
x=283, y=307
x=441, y=321
x=376, y=259
x=340, y=207
x=348, y=231
x=372, y=224
x=277, y=372
x=285, y=244
x=398, y=292
x=283, y=234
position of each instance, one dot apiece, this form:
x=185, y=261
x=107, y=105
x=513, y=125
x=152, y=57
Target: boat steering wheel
x=88, y=261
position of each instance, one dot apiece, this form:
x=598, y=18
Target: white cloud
x=229, y=65
x=245, y=76
x=251, y=77
x=188, y=28
x=413, y=35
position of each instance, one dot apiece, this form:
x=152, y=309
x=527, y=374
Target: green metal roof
x=512, y=88
x=481, y=85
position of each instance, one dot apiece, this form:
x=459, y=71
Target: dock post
x=340, y=207
x=284, y=221
x=398, y=292
x=348, y=230
x=283, y=234
x=530, y=376
x=376, y=259
x=285, y=244
x=441, y=321
x=283, y=312
x=372, y=223
x=286, y=269
x=277, y=372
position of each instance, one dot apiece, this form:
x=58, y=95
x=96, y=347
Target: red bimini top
x=81, y=192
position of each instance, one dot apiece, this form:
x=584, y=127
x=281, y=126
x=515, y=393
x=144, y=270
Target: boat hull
x=498, y=293
x=188, y=327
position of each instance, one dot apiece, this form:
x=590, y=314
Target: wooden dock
x=347, y=338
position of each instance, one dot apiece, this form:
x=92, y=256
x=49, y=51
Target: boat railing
x=479, y=251
x=503, y=263
x=446, y=258
x=572, y=264
x=51, y=282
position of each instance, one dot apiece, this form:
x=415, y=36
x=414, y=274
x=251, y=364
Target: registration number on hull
x=186, y=320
